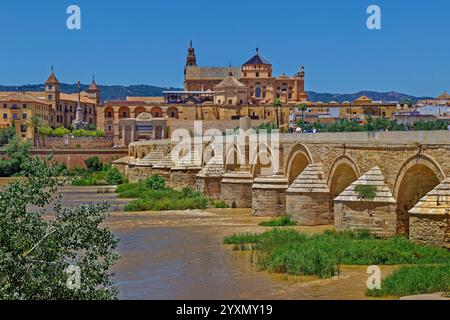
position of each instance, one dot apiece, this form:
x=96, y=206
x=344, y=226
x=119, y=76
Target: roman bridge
x=317, y=176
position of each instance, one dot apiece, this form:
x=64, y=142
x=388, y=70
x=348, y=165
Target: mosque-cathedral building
x=218, y=96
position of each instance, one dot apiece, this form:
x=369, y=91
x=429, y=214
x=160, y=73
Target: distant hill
x=375, y=96
x=121, y=92
x=107, y=92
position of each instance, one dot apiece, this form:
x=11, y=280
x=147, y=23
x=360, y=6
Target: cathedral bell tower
x=52, y=92
x=191, y=60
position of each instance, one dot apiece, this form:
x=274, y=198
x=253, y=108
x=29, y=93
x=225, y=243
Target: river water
x=180, y=255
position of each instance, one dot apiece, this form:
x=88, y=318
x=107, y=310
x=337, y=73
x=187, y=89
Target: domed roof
x=363, y=99
x=444, y=96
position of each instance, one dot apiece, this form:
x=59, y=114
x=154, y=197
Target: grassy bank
x=284, y=221
x=415, y=279
x=153, y=195
x=295, y=253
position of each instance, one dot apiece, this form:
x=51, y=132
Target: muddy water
x=180, y=255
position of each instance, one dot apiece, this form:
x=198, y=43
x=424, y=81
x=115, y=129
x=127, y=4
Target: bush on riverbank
x=284, y=221
x=295, y=253
x=413, y=280
x=153, y=195
x=96, y=174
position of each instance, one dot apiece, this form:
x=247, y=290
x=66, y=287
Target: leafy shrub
x=366, y=192
x=114, y=177
x=153, y=195
x=61, y=131
x=94, y=164
x=155, y=182
x=17, y=155
x=220, y=205
x=6, y=135
x=45, y=131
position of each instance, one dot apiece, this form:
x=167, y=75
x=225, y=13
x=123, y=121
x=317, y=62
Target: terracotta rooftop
x=93, y=86
x=214, y=73
x=373, y=177
x=52, y=78
x=230, y=81
x=22, y=97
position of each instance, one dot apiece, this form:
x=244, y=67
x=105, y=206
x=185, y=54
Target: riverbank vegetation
x=322, y=255
x=96, y=174
x=283, y=221
x=152, y=194
x=415, y=279
x=42, y=257
x=17, y=153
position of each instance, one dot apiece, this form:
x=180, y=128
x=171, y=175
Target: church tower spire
x=191, y=59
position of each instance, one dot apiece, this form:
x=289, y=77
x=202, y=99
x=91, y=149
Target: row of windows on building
x=25, y=106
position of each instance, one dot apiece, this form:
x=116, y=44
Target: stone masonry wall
x=380, y=219
x=309, y=209
x=180, y=179
x=237, y=195
x=268, y=202
x=209, y=186
x=430, y=230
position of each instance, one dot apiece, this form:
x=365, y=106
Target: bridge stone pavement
x=317, y=176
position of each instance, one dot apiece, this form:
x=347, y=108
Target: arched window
x=258, y=91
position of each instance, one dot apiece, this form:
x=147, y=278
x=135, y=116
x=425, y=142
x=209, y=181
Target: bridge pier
x=376, y=214
x=307, y=199
x=236, y=189
x=269, y=195
x=209, y=178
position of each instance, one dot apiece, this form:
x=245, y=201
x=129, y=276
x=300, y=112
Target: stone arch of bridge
x=418, y=175
x=343, y=173
x=263, y=161
x=234, y=158
x=210, y=152
x=299, y=158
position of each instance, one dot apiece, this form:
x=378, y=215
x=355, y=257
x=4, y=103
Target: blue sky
x=145, y=42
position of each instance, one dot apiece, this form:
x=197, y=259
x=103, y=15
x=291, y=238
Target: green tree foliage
x=373, y=124
x=36, y=252
x=155, y=182
x=17, y=154
x=430, y=125
x=114, y=177
x=93, y=164
x=6, y=135
x=34, y=123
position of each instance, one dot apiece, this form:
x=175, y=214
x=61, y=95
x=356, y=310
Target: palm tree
x=277, y=105
x=302, y=107
x=34, y=123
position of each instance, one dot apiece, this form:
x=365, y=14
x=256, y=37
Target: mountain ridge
x=119, y=92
